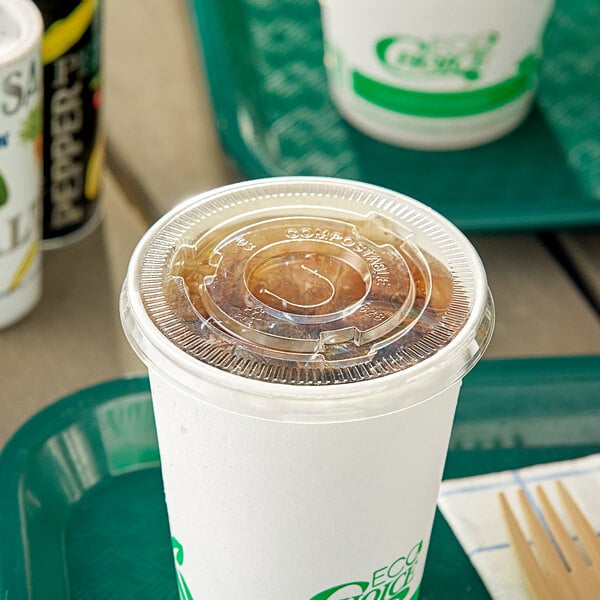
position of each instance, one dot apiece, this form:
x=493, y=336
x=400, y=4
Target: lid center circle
x=307, y=279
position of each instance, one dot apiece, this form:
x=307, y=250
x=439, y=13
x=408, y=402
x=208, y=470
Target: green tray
x=82, y=513
x=263, y=60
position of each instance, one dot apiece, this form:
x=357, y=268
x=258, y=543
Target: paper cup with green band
x=305, y=339
x=434, y=75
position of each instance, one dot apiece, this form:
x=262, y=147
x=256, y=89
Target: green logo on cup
x=390, y=582
x=448, y=104
x=184, y=590
x=439, y=57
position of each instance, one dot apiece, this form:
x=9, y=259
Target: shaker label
x=20, y=167
x=73, y=148
x=19, y=86
x=20, y=160
x=17, y=230
x=66, y=146
x=20, y=164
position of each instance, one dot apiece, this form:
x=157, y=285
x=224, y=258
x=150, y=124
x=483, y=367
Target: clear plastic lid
x=308, y=281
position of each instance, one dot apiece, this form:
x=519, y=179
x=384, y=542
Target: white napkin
x=470, y=505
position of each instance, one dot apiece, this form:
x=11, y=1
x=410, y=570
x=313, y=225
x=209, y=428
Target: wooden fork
x=555, y=569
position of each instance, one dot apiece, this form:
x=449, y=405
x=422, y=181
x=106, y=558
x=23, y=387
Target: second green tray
x=263, y=59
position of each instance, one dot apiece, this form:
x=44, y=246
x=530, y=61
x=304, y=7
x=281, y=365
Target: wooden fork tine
x=585, y=533
x=534, y=577
x=556, y=573
x=581, y=577
x=561, y=535
x=582, y=526
x=545, y=548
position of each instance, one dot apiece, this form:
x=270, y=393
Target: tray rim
x=210, y=42
x=28, y=438
x=218, y=72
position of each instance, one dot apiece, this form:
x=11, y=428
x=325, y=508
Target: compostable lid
x=307, y=281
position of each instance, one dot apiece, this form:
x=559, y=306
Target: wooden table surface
x=163, y=147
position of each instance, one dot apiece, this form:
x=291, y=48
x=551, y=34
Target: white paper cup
x=433, y=74
x=305, y=366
